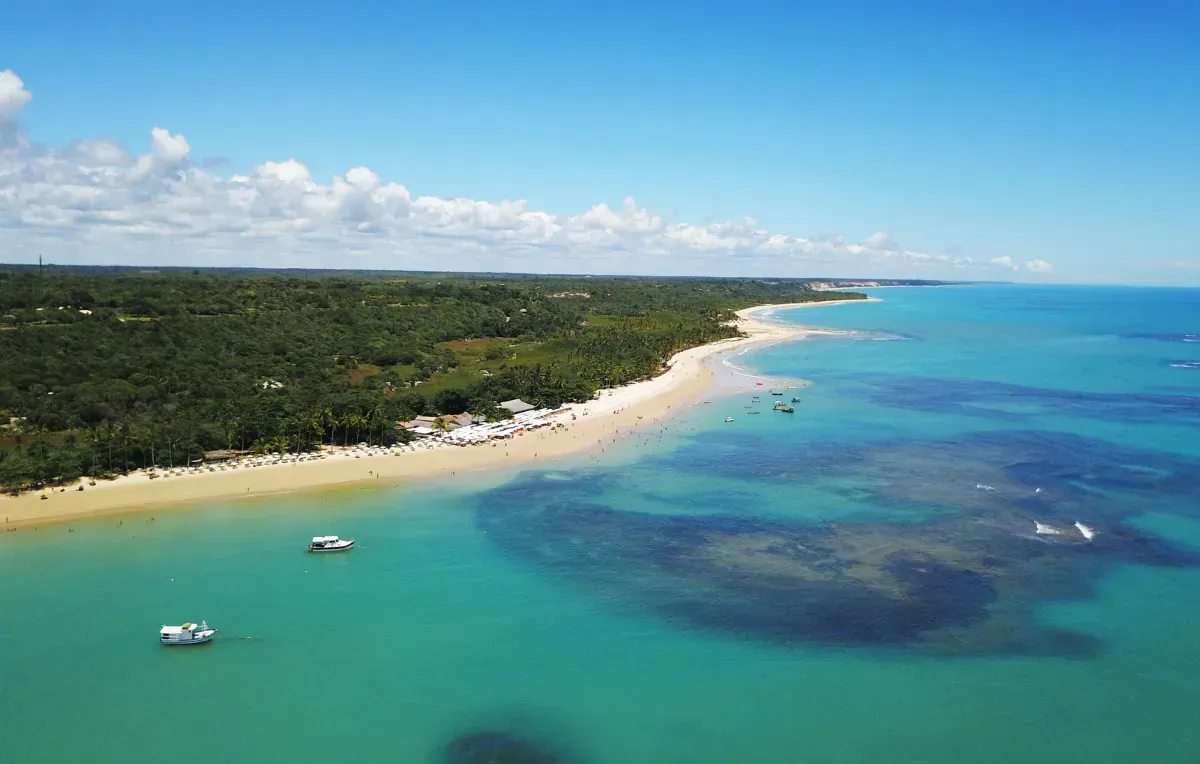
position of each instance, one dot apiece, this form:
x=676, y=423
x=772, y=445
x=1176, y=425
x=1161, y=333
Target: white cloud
x=92, y=200
x=1039, y=265
x=13, y=95
x=1003, y=262
x=881, y=240
x=169, y=148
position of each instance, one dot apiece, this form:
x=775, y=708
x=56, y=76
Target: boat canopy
x=171, y=630
x=324, y=539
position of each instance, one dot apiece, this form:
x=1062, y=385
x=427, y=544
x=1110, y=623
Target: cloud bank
x=94, y=201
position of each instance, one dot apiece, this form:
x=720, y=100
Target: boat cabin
x=188, y=633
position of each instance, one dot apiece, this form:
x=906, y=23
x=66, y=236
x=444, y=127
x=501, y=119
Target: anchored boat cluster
x=193, y=634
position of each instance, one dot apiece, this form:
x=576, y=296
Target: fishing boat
x=330, y=544
x=776, y=392
x=785, y=410
x=778, y=405
x=1085, y=531
x=795, y=400
x=187, y=634
x=728, y=419
x=753, y=412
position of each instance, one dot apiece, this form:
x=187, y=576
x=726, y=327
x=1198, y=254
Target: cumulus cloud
x=1039, y=265
x=13, y=95
x=882, y=240
x=95, y=196
x=1004, y=262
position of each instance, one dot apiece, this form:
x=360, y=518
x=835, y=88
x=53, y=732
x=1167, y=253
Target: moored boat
x=330, y=544
x=728, y=419
x=187, y=634
x=785, y=410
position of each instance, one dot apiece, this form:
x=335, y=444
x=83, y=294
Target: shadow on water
x=999, y=540
x=498, y=747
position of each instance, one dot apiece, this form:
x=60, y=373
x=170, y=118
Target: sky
x=1023, y=141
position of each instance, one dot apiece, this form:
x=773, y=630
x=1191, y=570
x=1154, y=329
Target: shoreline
x=585, y=425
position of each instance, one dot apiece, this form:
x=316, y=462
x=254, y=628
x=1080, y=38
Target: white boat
x=1045, y=530
x=728, y=419
x=187, y=634
x=1085, y=531
x=330, y=544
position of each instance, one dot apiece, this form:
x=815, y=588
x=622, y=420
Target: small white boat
x=330, y=544
x=187, y=634
x=1085, y=531
x=728, y=419
x=1045, y=530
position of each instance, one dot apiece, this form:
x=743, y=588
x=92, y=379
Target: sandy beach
x=617, y=411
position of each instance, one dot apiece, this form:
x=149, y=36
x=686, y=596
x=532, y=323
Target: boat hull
x=199, y=640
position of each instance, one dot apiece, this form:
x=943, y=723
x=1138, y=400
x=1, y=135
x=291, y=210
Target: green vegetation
x=107, y=370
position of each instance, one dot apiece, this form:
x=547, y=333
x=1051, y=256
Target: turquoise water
x=830, y=586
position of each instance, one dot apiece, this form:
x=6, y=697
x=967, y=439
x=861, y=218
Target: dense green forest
x=107, y=370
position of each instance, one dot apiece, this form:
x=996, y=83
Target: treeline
x=102, y=373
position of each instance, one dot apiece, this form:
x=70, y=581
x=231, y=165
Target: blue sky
x=1053, y=133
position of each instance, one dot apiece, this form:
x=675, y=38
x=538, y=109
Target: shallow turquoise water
x=592, y=608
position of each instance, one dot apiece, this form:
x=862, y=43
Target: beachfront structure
x=416, y=423
x=481, y=433
x=222, y=455
x=517, y=406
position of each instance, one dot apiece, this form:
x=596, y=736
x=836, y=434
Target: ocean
x=860, y=581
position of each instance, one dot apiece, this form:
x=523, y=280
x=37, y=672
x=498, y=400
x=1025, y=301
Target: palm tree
x=441, y=424
x=92, y=437
x=328, y=421
x=231, y=425
x=125, y=433
x=110, y=432
x=316, y=424
x=376, y=415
